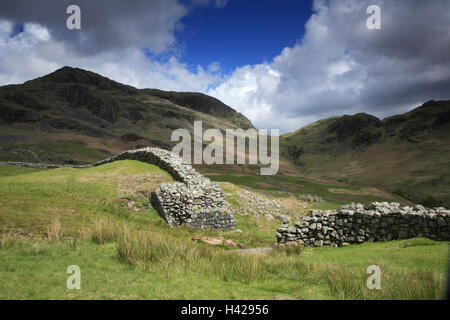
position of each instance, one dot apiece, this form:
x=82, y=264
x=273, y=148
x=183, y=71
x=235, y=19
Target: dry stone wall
x=354, y=223
x=193, y=200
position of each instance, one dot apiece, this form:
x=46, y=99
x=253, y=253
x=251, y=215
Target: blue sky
x=242, y=32
x=280, y=65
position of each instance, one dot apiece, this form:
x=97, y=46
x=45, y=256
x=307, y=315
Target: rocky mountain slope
x=408, y=154
x=74, y=115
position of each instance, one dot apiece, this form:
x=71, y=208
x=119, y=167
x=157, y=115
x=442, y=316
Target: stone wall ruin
x=193, y=200
x=354, y=223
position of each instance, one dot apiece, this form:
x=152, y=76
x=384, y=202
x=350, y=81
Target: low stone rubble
x=218, y=241
x=354, y=223
x=258, y=206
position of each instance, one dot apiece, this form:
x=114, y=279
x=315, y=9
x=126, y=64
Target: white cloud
x=221, y=3
x=249, y=87
x=338, y=67
x=33, y=53
x=341, y=67
x=216, y=3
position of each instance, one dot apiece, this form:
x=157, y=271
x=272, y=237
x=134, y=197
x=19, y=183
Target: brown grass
x=350, y=283
x=54, y=230
x=365, y=191
x=292, y=204
x=265, y=185
x=7, y=240
x=106, y=230
x=163, y=255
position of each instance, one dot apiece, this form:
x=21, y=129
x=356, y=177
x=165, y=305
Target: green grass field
x=51, y=219
x=334, y=194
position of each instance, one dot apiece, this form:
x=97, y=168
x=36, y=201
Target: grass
x=76, y=148
x=13, y=171
x=143, y=265
x=30, y=201
x=127, y=254
x=414, y=171
x=300, y=187
x=54, y=231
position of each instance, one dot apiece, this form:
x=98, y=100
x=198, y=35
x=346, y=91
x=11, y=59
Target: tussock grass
x=350, y=283
x=73, y=243
x=38, y=248
x=105, y=230
x=288, y=250
x=158, y=254
x=7, y=240
x=288, y=272
x=54, y=230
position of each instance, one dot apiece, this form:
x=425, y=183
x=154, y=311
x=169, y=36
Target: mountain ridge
x=81, y=103
x=74, y=116
x=407, y=154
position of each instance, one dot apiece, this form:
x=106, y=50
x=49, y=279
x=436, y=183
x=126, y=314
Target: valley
x=101, y=218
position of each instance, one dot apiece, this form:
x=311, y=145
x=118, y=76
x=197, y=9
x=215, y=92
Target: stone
x=377, y=221
x=402, y=234
x=318, y=243
x=212, y=241
x=420, y=207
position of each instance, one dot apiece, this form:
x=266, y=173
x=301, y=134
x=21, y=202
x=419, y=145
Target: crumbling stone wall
x=193, y=200
x=354, y=223
x=199, y=206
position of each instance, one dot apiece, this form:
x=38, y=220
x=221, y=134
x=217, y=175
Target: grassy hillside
x=406, y=154
x=100, y=219
x=76, y=116
x=73, y=115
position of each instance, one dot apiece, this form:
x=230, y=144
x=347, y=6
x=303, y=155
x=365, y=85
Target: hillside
x=408, y=154
x=73, y=115
x=76, y=116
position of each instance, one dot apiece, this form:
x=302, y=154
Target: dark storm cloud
x=105, y=24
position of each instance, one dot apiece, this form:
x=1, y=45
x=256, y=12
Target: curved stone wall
x=355, y=223
x=194, y=200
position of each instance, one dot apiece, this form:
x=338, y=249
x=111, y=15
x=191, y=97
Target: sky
x=283, y=64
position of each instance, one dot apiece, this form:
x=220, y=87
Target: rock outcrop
x=354, y=223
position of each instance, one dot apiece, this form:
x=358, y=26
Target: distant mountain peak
x=69, y=74
x=82, y=102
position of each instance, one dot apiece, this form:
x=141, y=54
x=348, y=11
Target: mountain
x=73, y=115
x=77, y=116
x=408, y=154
